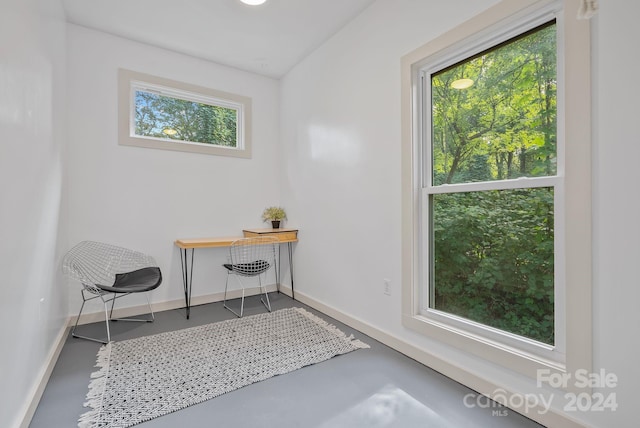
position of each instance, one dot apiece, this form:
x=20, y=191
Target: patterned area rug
x=141, y=379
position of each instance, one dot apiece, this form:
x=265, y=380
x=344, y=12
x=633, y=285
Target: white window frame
x=430, y=67
x=572, y=185
x=130, y=81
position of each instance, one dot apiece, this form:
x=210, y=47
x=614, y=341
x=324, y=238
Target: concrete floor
x=370, y=388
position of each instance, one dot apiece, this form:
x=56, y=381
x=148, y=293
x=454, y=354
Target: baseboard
x=168, y=305
x=459, y=374
x=33, y=399
x=31, y=404
x=478, y=383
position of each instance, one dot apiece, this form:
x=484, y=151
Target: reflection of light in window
x=333, y=145
x=462, y=84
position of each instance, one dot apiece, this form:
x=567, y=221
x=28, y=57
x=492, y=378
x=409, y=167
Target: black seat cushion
x=145, y=279
x=249, y=269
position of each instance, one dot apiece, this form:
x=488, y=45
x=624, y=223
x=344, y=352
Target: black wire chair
x=108, y=272
x=250, y=257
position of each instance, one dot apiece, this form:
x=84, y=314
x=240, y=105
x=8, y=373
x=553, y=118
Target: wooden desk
x=284, y=236
x=187, y=244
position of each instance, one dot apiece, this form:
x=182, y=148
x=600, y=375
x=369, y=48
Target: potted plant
x=275, y=215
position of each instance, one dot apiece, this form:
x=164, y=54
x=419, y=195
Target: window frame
x=425, y=70
x=573, y=247
x=131, y=81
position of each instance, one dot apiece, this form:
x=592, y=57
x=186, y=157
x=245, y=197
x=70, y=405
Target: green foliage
x=508, y=115
x=189, y=121
x=493, y=251
x=493, y=259
x=273, y=213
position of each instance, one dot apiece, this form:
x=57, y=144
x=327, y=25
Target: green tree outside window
x=492, y=256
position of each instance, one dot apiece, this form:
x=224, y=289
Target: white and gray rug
x=141, y=379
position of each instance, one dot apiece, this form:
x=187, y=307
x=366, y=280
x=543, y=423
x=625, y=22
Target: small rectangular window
x=165, y=114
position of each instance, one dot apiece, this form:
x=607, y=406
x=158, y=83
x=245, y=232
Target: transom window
x=165, y=114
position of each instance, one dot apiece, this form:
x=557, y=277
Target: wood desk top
x=283, y=235
x=206, y=242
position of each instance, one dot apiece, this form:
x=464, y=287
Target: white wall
x=340, y=127
x=33, y=306
x=338, y=167
x=616, y=212
x=144, y=199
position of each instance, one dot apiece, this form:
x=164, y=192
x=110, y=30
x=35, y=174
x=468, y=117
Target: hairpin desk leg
x=187, y=277
x=289, y=245
x=278, y=275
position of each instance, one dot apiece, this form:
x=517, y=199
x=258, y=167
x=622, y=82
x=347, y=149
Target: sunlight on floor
x=388, y=407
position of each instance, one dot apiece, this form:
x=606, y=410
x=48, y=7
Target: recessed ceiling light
x=253, y=2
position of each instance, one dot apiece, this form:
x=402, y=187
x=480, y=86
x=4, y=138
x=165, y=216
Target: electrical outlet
x=387, y=287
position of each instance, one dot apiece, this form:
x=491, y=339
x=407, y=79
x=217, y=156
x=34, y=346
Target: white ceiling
x=268, y=39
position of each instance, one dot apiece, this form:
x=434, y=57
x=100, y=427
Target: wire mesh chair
x=250, y=257
x=108, y=272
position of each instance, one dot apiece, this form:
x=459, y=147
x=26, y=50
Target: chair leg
x=153, y=317
x=73, y=331
x=113, y=300
x=263, y=291
x=224, y=303
x=113, y=303
x=266, y=295
x=106, y=319
x=226, y=284
x=242, y=303
x=106, y=316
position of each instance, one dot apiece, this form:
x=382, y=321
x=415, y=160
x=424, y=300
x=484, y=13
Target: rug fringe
x=101, y=403
x=96, y=388
x=358, y=344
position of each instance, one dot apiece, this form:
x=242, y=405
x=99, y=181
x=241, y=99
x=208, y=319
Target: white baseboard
x=168, y=305
x=474, y=381
x=33, y=399
x=478, y=383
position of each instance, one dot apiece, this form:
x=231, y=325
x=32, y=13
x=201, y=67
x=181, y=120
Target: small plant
x=273, y=214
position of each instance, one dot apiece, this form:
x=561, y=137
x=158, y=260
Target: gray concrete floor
x=375, y=387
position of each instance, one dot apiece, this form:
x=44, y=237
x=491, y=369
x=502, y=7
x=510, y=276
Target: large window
x=165, y=114
x=496, y=187
x=490, y=186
